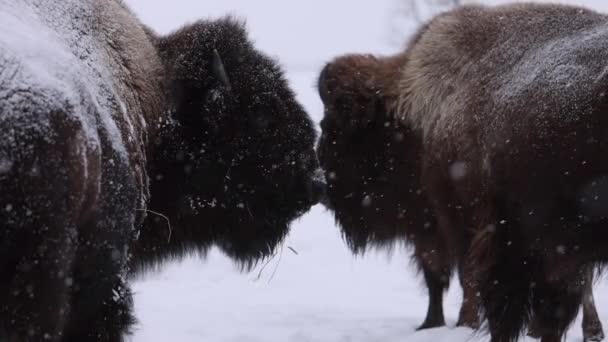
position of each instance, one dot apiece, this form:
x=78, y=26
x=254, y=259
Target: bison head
x=371, y=160
x=235, y=162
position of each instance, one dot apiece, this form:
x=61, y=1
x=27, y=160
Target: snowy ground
x=323, y=293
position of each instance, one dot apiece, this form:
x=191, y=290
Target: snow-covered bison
x=119, y=148
x=490, y=130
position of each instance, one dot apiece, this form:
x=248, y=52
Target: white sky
x=297, y=32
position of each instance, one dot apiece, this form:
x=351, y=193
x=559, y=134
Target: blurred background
x=323, y=293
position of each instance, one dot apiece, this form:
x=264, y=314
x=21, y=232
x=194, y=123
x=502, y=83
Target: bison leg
x=592, y=326
x=505, y=301
x=430, y=255
x=101, y=299
x=534, y=329
x=591, y=322
x=436, y=284
x=469, y=311
x=551, y=338
x=36, y=304
x=503, y=274
x=41, y=201
x=555, y=305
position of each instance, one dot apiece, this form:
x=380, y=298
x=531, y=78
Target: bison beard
x=93, y=108
x=501, y=113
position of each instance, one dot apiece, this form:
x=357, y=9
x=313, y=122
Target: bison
x=234, y=162
x=482, y=143
x=372, y=166
x=120, y=148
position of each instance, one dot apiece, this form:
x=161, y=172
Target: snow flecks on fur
x=512, y=65
x=565, y=68
x=50, y=59
x=5, y=166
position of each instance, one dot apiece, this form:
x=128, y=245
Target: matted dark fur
x=120, y=149
x=508, y=106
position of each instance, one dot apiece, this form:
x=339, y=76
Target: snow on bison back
x=103, y=122
x=502, y=115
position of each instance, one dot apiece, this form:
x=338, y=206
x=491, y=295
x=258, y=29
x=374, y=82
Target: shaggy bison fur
x=119, y=149
x=496, y=118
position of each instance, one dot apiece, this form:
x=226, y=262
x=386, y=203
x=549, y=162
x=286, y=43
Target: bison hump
x=495, y=66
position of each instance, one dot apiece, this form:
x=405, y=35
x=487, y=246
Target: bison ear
x=219, y=70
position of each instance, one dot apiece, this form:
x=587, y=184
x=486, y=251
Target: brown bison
x=119, y=149
x=489, y=131
x=373, y=170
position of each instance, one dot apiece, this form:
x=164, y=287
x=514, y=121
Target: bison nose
x=317, y=189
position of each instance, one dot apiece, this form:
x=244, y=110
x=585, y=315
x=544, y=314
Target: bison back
x=518, y=85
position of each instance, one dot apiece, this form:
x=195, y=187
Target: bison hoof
x=471, y=324
x=534, y=330
x=430, y=325
x=594, y=336
x=534, y=334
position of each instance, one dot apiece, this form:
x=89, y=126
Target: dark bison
x=119, y=149
x=496, y=117
x=373, y=168
x=234, y=162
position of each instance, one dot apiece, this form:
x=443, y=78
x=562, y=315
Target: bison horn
x=219, y=70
